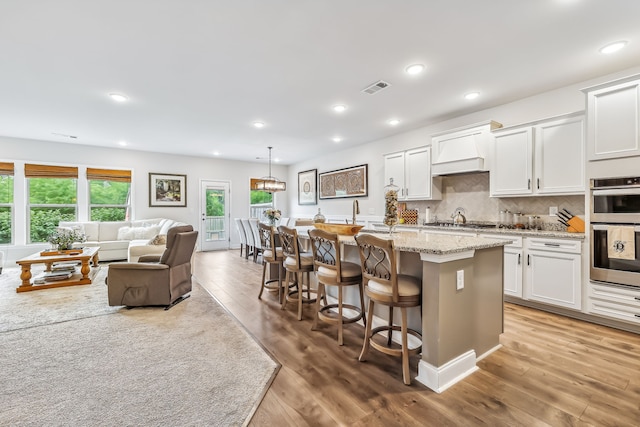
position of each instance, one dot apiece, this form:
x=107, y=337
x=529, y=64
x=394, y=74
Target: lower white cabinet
x=512, y=265
x=614, y=301
x=554, y=272
x=543, y=270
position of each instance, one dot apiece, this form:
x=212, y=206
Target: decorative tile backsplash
x=471, y=192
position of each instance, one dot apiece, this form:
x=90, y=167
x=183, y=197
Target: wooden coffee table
x=85, y=256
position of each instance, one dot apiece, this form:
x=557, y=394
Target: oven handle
x=606, y=227
x=616, y=192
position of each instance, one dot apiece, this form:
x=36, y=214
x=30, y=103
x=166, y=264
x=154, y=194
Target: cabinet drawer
x=617, y=302
x=555, y=245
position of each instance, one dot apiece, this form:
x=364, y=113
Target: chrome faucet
x=356, y=210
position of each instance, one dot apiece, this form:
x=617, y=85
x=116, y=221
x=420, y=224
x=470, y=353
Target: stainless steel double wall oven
x=615, y=202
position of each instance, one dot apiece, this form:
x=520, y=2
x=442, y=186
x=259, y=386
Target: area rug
x=192, y=365
x=46, y=306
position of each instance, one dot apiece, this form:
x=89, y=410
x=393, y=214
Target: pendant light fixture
x=270, y=184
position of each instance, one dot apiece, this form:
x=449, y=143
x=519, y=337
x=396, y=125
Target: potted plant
x=63, y=239
x=272, y=215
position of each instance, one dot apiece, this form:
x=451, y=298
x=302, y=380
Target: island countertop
x=436, y=244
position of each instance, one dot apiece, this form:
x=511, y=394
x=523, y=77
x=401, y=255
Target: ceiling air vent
x=376, y=87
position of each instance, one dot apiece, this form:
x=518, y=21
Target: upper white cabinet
x=411, y=172
x=539, y=158
x=613, y=119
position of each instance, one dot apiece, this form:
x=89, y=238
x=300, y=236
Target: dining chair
x=257, y=245
x=383, y=285
x=297, y=265
x=271, y=257
x=249, y=235
x=243, y=237
x=331, y=270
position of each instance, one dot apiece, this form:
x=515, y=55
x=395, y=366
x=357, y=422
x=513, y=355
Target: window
x=6, y=203
x=109, y=194
x=260, y=201
x=52, y=198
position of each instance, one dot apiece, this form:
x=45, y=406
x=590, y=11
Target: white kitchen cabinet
x=613, y=119
x=512, y=265
x=617, y=302
x=539, y=158
x=411, y=172
x=553, y=272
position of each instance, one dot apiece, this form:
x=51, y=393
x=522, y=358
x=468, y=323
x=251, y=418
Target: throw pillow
x=160, y=239
x=137, y=233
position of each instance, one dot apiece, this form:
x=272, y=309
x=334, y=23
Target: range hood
x=462, y=150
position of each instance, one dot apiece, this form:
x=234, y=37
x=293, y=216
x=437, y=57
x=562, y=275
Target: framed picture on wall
x=308, y=187
x=347, y=182
x=167, y=190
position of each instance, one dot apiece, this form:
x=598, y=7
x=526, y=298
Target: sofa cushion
x=109, y=229
x=133, y=233
x=147, y=222
x=90, y=229
x=109, y=245
x=166, y=226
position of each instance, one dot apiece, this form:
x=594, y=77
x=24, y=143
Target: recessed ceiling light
x=414, y=69
x=336, y=139
x=394, y=122
x=122, y=143
x=471, y=95
x=118, y=97
x=339, y=108
x=258, y=124
x=216, y=153
x=613, y=47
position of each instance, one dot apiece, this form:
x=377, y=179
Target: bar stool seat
x=271, y=257
x=386, y=287
x=332, y=271
x=297, y=265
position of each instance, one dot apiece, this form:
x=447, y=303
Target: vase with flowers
x=63, y=239
x=272, y=215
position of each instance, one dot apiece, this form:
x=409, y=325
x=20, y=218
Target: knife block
x=576, y=225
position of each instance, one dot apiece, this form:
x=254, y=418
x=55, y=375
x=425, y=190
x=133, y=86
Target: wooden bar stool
x=297, y=265
x=332, y=271
x=271, y=256
x=385, y=286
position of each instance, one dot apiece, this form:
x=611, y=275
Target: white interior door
x=214, y=212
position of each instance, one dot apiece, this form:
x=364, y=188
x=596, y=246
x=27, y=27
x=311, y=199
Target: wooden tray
x=62, y=252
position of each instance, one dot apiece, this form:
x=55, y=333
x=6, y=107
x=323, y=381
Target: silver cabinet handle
x=529, y=184
x=519, y=258
x=538, y=183
x=555, y=245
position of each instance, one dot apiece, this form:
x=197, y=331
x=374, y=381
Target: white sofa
x=119, y=240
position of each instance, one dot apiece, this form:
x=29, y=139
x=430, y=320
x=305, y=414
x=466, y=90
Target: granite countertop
x=495, y=230
x=437, y=244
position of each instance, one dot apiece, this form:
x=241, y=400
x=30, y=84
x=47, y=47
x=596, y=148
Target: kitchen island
x=462, y=299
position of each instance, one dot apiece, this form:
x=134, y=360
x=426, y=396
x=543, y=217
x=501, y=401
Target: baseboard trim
x=440, y=378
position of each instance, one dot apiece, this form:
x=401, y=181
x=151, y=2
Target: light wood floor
x=551, y=370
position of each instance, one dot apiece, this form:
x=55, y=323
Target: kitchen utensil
x=458, y=217
x=574, y=223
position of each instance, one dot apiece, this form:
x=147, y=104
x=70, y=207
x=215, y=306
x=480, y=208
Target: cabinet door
x=394, y=168
x=512, y=163
x=613, y=125
x=513, y=272
x=418, y=173
x=554, y=278
x=559, y=160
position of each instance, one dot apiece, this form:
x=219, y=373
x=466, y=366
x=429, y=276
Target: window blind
x=109, y=174
x=46, y=171
x=6, y=168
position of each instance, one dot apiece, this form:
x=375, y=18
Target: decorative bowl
x=341, y=229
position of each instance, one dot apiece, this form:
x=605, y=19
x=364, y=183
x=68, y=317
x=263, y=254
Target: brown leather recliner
x=155, y=280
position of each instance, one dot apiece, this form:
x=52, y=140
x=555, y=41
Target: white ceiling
x=199, y=72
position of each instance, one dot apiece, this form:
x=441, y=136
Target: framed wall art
x=167, y=190
x=347, y=182
x=308, y=187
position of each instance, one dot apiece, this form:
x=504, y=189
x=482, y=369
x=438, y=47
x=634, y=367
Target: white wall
x=141, y=164
x=560, y=101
